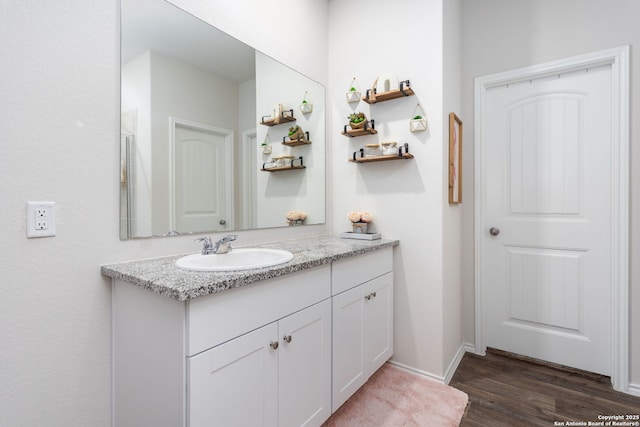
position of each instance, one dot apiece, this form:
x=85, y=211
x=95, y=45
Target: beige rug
x=395, y=397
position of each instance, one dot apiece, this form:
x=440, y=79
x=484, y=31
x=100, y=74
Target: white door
x=547, y=263
x=202, y=179
x=235, y=384
x=305, y=367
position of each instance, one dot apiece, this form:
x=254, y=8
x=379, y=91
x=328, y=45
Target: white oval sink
x=237, y=259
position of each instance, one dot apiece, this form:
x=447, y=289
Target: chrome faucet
x=222, y=246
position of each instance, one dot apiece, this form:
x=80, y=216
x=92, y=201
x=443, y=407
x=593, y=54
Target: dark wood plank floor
x=505, y=390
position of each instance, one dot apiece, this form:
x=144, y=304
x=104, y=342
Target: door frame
x=618, y=58
x=228, y=161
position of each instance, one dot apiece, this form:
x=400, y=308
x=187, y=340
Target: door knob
x=494, y=231
x=223, y=222
x=273, y=345
x=287, y=338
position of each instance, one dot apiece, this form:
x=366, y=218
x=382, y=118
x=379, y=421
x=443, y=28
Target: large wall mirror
x=194, y=104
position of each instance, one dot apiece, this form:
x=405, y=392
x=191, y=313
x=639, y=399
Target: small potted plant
x=306, y=106
x=353, y=94
x=418, y=123
x=357, y=120
x=360, y=221
x=296, y=217
x=296, y=133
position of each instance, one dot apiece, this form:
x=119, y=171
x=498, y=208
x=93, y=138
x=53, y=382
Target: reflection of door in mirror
x=202, y=188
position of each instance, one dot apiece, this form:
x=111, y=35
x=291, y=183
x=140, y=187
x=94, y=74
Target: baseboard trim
x=451, y=369
x=634, y=389
x=417, y=371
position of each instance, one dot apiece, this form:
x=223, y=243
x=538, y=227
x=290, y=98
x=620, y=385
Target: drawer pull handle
x=273, y=345
x=287, y=338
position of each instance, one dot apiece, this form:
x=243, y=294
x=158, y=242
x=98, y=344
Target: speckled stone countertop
x=160, y=275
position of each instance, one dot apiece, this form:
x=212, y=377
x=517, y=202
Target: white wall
x=452, y=214
x=500, y=35
x=59, y=117
x=407, y=198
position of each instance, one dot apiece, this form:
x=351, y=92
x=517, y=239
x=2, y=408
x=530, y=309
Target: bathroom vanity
x=278, y=346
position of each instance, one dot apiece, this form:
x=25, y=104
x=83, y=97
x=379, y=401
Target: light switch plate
x=41, y=219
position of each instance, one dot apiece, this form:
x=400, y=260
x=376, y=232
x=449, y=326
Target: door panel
x=304, y=367
x=201, y=180
x=235, y=384
x=547, y=273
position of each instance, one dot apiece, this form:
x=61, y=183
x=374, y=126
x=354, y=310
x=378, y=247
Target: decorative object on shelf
x=359, y=156
x=296, y=217
x=365, y=127
x=357, y=120
x=371, y=150
x=360, y=221
x=372, y=96
x=266, y=145
x=353, y=95
x=296, y=132
x=386, y=82
x=455, y=159
x=419, y=122
x=360, y=236
x=278, y=116
x=283, y=163
x=389, y=148
x=306, y=106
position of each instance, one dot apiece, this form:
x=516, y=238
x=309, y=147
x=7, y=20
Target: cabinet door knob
x=273, y=345
x=373, y=294
x=286, y=338
x=367, y=297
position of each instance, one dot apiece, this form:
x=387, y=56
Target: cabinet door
x=362, y=335
x=305, y=367
x=378, y=321
x=348, y=344
x=235, y=383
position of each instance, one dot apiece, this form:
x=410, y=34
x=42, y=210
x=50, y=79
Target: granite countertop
x=161, y=276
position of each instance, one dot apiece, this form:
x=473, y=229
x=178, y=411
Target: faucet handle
x=229, y=238
x=206, y=244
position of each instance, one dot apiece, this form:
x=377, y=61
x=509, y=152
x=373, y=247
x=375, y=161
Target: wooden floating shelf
x=405, y=156
x=304, y=140
x=288, y=167
x=282, y=168
x=296, y=143
x=368, y=129
x=405, y=90
x=359, y=132
x=286, y=117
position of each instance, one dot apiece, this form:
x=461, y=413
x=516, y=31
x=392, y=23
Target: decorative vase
x=360, y=227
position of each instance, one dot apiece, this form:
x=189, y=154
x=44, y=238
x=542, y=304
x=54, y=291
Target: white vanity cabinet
x=280, y=352
x=362, y=321
x=277, y=375
x=212, y=361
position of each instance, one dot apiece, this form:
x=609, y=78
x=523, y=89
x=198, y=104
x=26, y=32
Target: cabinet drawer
x=351, y=272
x=217, y=318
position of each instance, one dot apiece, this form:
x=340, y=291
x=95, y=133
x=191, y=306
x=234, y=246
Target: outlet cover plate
x=41, y=219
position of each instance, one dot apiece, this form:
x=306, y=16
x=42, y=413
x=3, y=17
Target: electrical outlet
x=41, y=219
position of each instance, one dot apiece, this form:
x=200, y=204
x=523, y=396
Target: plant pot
x=306, y=107
x=353, y=96
x=418, y=125
x=360, y=227
x=357, y=125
